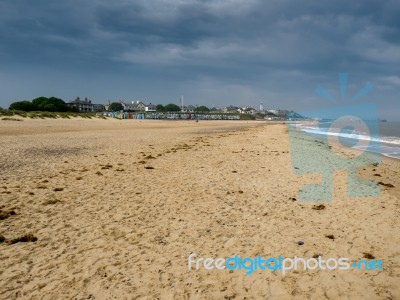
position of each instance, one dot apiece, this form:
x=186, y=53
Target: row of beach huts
x=170, y=116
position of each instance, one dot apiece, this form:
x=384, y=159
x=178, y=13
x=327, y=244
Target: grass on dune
x=47, y=115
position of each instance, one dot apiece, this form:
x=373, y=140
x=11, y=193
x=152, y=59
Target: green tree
x=38, y=102
x=160, y=108
x=49, y=104
x=203, y=109
x=49, y=107
x=115, y=106
x=58, y=103
x=22, y=105
x=172, y=107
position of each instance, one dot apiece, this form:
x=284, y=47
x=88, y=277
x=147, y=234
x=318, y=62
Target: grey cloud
x=224, y=51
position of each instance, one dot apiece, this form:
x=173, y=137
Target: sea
x=378, y=136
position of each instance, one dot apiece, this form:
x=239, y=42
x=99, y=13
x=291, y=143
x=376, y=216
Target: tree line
x=175, y=108
x=42, y=104
x=54, y=104
x=116, y=106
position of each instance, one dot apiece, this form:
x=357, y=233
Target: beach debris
x=234, y=171
x=378, y=175
x=386, y=184
x=6, y=214
x=160, y=240
x=318, y=207
x=300, y=243
x=51, y=202
x=330, y=236
x=106, y=167
x=58, y=189
x=293, y=199
x=240, y=192
x=368, y=255
x=149, y=168
x=2, y=239
x=316, y=255
x=24, y=239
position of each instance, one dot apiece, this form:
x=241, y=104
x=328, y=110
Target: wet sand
x=109, y=209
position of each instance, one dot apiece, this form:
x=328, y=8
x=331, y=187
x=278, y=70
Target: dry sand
x=117, y=207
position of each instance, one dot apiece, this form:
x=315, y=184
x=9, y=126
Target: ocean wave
x=387, y=146
x=350, y=135
x=390, y=140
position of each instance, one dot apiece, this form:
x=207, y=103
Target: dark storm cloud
x=218, y=52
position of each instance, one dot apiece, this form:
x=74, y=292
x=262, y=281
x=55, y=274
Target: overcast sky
x=214, y=52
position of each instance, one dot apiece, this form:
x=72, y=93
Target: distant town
x=138, y=106
x=143, y=109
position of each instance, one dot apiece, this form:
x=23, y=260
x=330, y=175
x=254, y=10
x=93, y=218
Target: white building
x=150, y=108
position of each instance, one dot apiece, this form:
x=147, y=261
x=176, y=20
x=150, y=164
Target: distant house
x=230, y=109
x=247, y=110
x=98, y=107
x=216, y=109
x=150, y=108
x=107, y=105
x=85, y=105
x=135, y=106
x=273, y=111
x=189, y=109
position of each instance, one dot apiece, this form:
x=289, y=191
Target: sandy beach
x=109, y=209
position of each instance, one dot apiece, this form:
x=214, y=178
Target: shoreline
x=381, y=143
